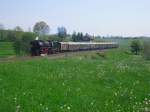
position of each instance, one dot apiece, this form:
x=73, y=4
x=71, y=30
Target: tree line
x=41, y=29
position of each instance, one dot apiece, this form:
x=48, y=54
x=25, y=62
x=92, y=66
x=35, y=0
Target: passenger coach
x=77, y=46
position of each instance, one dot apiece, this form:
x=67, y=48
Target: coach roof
x=87, y=43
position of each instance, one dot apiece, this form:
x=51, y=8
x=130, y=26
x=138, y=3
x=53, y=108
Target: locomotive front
x=40, y=47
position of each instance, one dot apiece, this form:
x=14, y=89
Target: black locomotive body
x=40, y=47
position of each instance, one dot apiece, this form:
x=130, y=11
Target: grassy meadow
x=109, y=81
x=6, y=49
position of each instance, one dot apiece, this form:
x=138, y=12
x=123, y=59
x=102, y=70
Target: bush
x=54, y=38
x=26, y=39
x=22, y=46
x=94, y=57
x=17, y=46
x=98, y=55
x=136, y=47
x=146, y=50
x=9, y=35
x=14, y=35
x=101, y=54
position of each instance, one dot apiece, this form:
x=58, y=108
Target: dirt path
x=52, y=56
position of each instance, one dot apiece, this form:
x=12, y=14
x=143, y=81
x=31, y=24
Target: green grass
x=6, y=49
x=118, y=82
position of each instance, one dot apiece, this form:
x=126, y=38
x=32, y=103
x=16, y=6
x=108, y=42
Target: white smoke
x=37, y=38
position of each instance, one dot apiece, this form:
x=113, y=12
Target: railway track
x=52, y=56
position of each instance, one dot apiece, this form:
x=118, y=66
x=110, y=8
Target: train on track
x=40, y=47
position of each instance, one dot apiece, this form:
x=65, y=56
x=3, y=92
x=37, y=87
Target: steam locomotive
x=41, y=47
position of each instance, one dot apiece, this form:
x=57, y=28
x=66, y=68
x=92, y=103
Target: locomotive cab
x=39, y=47
x=56, y=46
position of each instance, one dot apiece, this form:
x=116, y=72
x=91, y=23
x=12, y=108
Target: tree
x=18, y=28
x=62, y=32
x=22, y=45
x=87, y=37
x=3, y=35
x=77, y=37
x=17, y=46
x=26, y=39
x=41, y=28
x=135, y=47
x=74, y=39
x=12, y=36
x=80, y=36
x=146, y=50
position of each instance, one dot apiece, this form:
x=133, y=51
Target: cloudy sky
x=99, y=17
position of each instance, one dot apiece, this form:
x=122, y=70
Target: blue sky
x=99, y=17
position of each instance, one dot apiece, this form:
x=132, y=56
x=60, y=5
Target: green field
x=6, y=49
x=118, y=82
x=85, y=83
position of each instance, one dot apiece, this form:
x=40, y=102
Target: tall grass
x=6, y=49
x=118, y=83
